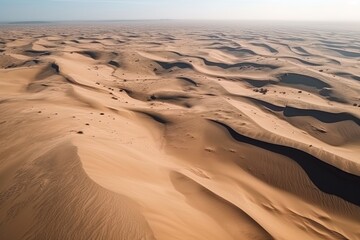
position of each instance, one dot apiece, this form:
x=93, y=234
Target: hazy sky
x=37, y=10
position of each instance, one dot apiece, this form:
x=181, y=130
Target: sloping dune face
x=146, y=131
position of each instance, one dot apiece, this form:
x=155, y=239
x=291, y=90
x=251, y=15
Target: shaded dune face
x=293, y=78
x=121, y=131
x=50, y=196
x=327, y=178
x=236, y=222
x=64, y=203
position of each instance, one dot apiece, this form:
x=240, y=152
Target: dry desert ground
x=169, y=130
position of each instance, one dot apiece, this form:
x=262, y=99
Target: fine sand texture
x=177, y=131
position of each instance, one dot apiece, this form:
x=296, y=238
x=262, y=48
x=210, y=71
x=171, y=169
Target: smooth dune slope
x=151, y=131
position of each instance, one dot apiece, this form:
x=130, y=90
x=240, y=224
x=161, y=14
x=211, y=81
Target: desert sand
x=158, y=130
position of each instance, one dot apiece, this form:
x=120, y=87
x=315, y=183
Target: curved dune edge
x=53, y=198
x=137, y=135
x=321, y=174
x=231, y=218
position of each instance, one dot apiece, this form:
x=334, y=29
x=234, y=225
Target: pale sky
x=53, y=10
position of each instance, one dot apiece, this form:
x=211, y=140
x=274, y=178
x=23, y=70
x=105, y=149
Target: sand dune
x=145, y=131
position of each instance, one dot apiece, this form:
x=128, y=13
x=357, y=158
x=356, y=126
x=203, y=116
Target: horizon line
x=176, y=19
